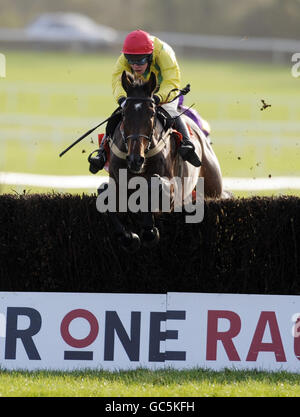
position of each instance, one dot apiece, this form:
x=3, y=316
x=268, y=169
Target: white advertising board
x=79, y=330
x=68, y=331
x=236, y=331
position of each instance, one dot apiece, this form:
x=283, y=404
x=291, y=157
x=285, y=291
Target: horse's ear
x=151, y=84
x=127, y=80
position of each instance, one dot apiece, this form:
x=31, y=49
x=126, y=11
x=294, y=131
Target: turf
x=146, y=383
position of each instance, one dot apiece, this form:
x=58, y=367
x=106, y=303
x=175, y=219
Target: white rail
x=93, y=182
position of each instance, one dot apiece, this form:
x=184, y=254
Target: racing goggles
x=137, y=59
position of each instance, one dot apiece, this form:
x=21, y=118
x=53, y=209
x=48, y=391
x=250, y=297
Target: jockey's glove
x=122, y=101
x=156, y=99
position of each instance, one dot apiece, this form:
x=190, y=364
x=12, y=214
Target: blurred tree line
x=268, y=18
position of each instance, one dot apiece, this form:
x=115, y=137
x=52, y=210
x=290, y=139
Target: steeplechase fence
x=61, y=243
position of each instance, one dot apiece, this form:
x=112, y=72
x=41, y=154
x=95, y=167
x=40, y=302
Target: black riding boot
x=97, y=162
x=186, y=149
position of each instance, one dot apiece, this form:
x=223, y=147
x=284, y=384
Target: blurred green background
x=51, y=96
x=49, y=99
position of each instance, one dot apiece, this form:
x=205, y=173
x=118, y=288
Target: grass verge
x=146, y=383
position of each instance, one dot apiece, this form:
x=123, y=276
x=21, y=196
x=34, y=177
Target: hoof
x=130, y=242
x=150, y=238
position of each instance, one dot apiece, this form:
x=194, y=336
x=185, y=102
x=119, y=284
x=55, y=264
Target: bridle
x=137, y=136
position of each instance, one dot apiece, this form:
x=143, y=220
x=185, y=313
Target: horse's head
x=138, y=119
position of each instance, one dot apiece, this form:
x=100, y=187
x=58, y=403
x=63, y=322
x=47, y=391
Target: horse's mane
x=137, y=82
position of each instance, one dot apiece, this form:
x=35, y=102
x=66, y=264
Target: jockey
x=142, y=54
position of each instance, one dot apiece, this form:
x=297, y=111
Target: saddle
x=165, y=119
x=203, y=125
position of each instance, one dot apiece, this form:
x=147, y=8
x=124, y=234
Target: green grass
x=76, y=95
x=146, y=383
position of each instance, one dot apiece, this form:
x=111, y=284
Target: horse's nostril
x=140, y=160
x=135, y=161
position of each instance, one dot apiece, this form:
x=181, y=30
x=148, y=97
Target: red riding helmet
x=138, y=42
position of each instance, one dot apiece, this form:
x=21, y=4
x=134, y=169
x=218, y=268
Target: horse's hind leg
x=211, y=171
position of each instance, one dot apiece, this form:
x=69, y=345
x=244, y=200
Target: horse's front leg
x=159, y=200
x=128, y=240
x=150, y=233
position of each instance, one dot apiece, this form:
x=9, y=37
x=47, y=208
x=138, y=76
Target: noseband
x=137, y=136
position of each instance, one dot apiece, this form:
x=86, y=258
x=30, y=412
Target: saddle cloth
x=195, y=116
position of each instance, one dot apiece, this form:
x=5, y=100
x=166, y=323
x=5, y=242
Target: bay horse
x=141, y=147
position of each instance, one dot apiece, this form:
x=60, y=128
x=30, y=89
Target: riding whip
x=84, y=136
x=183, y=92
